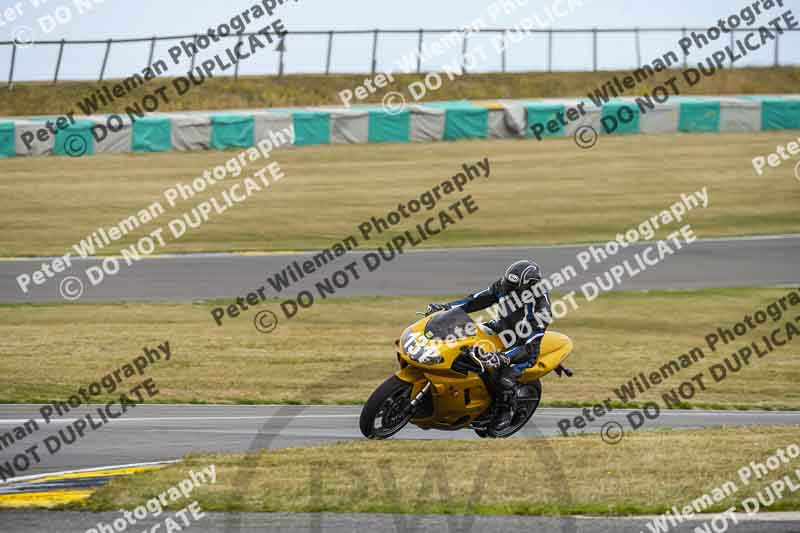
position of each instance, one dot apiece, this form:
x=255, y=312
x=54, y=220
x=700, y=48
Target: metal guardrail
x=420, y=33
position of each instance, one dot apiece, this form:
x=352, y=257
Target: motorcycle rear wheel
x=389, y=405
x=524, y=413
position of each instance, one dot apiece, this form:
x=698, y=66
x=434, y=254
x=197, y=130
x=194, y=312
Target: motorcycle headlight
x=420, y=348
x=430, y=359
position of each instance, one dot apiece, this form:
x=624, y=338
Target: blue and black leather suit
x=525, y=349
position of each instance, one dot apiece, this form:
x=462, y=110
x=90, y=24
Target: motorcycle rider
x=519, y=276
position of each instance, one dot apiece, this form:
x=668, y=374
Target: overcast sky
x=145, y=18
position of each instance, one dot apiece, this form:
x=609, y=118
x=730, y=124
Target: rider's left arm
x=478, y=301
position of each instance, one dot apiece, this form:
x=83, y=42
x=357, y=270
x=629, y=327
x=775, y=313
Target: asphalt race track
x=734, y=262
x=162, y=432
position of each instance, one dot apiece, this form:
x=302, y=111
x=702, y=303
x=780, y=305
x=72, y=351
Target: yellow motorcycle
x=444, y=384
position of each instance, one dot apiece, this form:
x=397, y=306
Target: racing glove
x=435, y=308
x=493, y=359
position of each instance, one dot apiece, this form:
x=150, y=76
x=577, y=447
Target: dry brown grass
x=346, y=345
x=551, y=192
x=37, y=98
x=645, y=473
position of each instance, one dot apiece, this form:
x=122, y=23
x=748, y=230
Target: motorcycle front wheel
x=387, y=410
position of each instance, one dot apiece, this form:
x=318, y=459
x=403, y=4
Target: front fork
x=419, y=396
x=418, y=382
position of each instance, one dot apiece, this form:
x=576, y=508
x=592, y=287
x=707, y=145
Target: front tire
x=387, y=410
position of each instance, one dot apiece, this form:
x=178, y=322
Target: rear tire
x=527, y=406
x=388, y=405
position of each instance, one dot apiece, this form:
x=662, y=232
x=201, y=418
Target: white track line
x=85, y=470
x=542, y=414
x=178, y=418
x=790, y=516
x=675, y=412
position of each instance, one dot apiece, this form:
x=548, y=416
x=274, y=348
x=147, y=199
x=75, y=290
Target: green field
x=646, y=473
x=537, y=193
x=616, y=336
x=38, y=98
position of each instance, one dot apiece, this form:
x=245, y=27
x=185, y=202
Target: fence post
x=236, y=70
x=419, y=50
x=685, y=64
x=330, y=47
x=733, y=43
x=594, y=49
x=464, y=45
x=11, y=70
x=282, y=50
x=638, y=49
x=374, y=51
x=505, y=45
x=105, y=60
x=777, y=56
x=152, y=51
x=549, y=50
x=58, y=61
x=194, y=41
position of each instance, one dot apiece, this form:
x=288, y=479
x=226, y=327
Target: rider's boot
x=504, y=416
x=507, y=382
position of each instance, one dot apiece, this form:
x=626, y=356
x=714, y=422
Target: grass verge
x=538, y=193
x=645, y=473
x=339, y=350
x=37, y=98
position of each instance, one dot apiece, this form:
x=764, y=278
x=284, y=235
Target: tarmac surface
x=69, y=522
x=710, y=263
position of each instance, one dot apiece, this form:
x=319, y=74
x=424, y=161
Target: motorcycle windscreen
x=450, y=323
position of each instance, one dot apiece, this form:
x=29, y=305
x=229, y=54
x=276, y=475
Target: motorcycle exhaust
x=562, y=369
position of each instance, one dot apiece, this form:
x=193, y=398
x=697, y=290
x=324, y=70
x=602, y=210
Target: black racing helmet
x=521, y=275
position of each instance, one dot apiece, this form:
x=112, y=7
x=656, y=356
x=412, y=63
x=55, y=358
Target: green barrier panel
x=780, y=114
x=620, y=118
x=75, y=140
x=7, y=131
x=311, y=127
x=452, y=104
x=542, y=114
x=699, y=116
x=152, y=134
x=232, y=131
x=386, y=127
x=465, y=122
